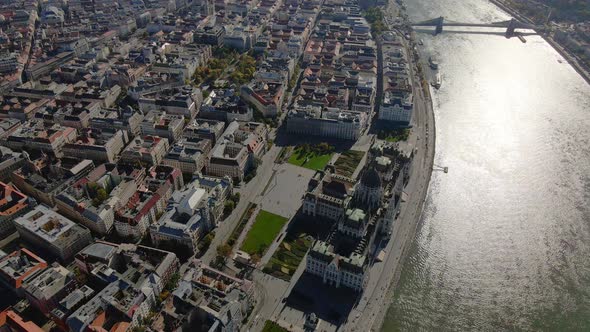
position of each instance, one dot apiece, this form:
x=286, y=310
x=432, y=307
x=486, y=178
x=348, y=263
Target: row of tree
x=244, y=71
x=230, y=203
x=374, y=16
x=245, y=66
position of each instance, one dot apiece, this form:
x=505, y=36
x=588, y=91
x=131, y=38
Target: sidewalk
x=248, y=193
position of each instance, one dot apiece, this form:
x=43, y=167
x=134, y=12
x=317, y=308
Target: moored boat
x=432, y=63
x=437, y=81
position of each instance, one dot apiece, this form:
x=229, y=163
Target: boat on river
x=432, y=63
x=437, y=81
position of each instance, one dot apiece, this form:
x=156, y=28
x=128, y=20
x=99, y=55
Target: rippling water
x=505, y=238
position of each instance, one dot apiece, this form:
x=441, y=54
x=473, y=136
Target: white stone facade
x=323, y=206
x=334, y=270
x=395, y=113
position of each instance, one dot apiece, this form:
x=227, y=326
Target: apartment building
x=48, y=288
x=396, y=108
x=19, y=107
x=93, y=200
x=13, y=203
x=184, y=101
x=159, y=123
x=96, y=145
x=75, y=114
x=189, y=156
x=267, y=97
x=186, y=219
x=236, y=151
x=43, y=178
x=20, y=267
x=37, y=136
x=119, y=305
x=227, y=106
x=50, y=231
x=128, y=261
x=127, y=120
x=327, y=122
x=204, y=129
x=145, y=150
x=229, y=302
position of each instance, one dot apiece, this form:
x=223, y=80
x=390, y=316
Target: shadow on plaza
x=310, y=295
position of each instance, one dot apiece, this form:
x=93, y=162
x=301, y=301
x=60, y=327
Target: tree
x=159, y=214
x=306, y=148
x=80, y=277
x=257, y=162
x=101, y=194
x=324, y=147
x=204, y=244
x=209, y=238
x=374, y=16
x=163, y=296
x=293, y=79
x=250, y=175
x=229, y=206
x=224, y=250
x=172, y=283
x=219, y=262
x=92, y=187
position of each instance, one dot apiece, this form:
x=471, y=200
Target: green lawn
x=394, y=135
x=266, y=227
x=288, y=256
x=270, y=326
x=309, y=160
x=348, y=162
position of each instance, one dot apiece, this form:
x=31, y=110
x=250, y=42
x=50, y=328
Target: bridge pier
x=439, y=25
x=510, y=29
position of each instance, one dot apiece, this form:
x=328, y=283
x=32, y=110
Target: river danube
x=505, y=236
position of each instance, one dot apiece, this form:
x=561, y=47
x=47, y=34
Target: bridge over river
x=510, y=25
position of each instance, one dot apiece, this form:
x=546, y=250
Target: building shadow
x=310, y=295
x=302, y=223
x=284, y=139
x=388, y=126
